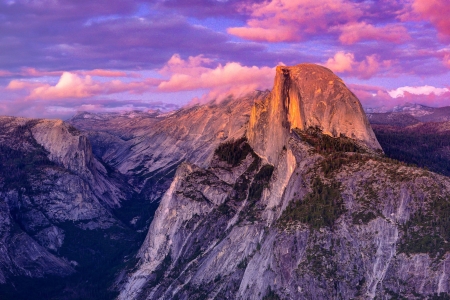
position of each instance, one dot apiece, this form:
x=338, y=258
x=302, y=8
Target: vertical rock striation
x=306, y=96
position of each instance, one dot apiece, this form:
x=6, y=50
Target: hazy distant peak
x=408, y=106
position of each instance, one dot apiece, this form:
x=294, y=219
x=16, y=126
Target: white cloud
x=417, y=90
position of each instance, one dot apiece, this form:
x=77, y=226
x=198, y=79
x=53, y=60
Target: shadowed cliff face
x=65, y=216
x=306, y=96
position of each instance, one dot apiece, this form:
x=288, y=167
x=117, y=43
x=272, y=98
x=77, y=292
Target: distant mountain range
x=399, y=108
x=408, y=114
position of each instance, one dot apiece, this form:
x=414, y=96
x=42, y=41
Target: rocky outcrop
x=317, y=215
x=51, y=189
x=209, y=240
x=149, y=147
x=22, y=255
x=72, y=150
x=306, y=96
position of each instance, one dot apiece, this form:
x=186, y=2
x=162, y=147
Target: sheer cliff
x=302, y=206
x=306, y=96
x=75, y=213
x=59, y=210
x=148, y=147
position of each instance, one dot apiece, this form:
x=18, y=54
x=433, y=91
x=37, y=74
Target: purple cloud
x=108, y=48
x=205, y=8
x=82, y=35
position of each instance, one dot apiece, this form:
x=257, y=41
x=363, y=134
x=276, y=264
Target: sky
x=58, y=57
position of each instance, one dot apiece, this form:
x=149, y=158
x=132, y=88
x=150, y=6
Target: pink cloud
x=354, y=32
x=220, y=81
x=417, y=90
x=21, y=85
x=443, y=54
x=194, y=65
x=4, y=73
x=72, y=85
x=32, y=72
x=446, y=60
x=436, y=11
x=345, y=63
x=291, y=20
x=199, y=73
x=260, y=34
x=341, y=62
x=68, y=86
x=105, y=73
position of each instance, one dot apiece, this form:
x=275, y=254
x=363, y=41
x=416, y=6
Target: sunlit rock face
x=306, y=96
x=148, y=147
x=292, y=213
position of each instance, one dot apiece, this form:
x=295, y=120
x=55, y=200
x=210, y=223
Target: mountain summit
x=299, y=207
x=304, y=96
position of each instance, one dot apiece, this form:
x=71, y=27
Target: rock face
x=314, y=216
x=223, y=239
x=149, y=147
x=55, y=196
x=306, y=96
x=69, y=148
x=78, y=212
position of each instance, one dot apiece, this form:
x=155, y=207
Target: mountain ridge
x=306, y=96
x=409, y=114
x=315, y=216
